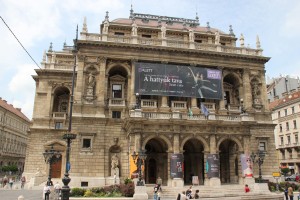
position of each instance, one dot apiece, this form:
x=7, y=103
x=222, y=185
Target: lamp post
x=138, y=101
x=139, y=160
x=51, y=156
x=259, y=161
x=65, y=190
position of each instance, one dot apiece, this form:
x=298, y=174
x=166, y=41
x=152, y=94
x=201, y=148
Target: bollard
x=21, y=197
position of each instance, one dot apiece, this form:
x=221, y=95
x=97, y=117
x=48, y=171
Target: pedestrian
x=286, y=192
x=247, y=189
x=183, y=196
x=291, y=193
x=57, y=190
x=11, y=182
x=5, y=180
x=23, y=181
x=196, y=196
x=189, y=192
x=46, y=192
x=155, y=190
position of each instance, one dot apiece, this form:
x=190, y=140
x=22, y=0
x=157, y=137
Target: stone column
x=215, y=181
x=175, y=182
x=101, y=93
x=264, y=99
x=247, y=96
x=131, y=81
x=222, y=102
x=164, y=102
x=137, y=142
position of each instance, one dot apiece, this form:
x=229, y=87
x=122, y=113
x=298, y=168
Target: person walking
x=197, y=196
x=11, y=182
x=5, y=180
x=291, y=193
x=57, y=189
x=247, y=189
x=23, y=181
x=189, y=193
x=286, y=192
x=46, y=192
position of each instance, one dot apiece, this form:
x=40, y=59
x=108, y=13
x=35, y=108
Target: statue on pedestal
x=90, y=85
x=115, y=166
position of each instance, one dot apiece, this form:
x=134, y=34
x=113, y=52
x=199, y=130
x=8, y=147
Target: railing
x=207, y=47
x=177, y=44
x=120, y=39
x=210, y=106
x=59, y=115
x=116, y=102
x=145, y=103
x=233, y=107
x=178, y=105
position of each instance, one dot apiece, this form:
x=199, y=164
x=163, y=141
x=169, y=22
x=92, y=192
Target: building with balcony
x=286, y=116
x=185, y=93
x=14, y=126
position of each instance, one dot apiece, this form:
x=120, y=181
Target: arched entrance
x=229, y=161
x=193, y=161
x=156, y=164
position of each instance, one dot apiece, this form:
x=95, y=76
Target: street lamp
x=65, y=190
x=51, y=156
x=259, y=161
x=138, y=101
x=139, y=160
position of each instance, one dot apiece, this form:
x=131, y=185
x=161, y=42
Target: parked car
x=292, y=177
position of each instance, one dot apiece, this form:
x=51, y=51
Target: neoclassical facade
x=162, y=84
x=14, y=126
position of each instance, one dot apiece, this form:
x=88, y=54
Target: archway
x=193, y=161
x=156, y=164
x=229, y=161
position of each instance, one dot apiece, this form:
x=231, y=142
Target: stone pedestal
x=140, y=193
x=177, y=182
x=261, y=188
x=112, y=180
x=214, y=182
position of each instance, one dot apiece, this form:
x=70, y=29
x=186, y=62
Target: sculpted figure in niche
x=105, y=26
x=191, y=35
x=115, y=165
x=134, y=29
x=217, y=37
x=91, y=84
x=163, y=32
x=256, y=93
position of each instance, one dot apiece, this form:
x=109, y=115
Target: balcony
x=116, y=102
x=59, y=115
x=178, y=105
x=148, y=103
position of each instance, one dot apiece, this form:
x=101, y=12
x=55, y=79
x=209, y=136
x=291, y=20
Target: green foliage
x=12, y=168
x=77, y=192
x=285, y=171
x=127, y=180
x=107, y=191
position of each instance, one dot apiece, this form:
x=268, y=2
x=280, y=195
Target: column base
x=140, y=193
x=214, y=182
x=177, y=182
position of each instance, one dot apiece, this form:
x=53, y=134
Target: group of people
x=188, y=194
x=10, y=181
x=47, y=191
x=289, y=193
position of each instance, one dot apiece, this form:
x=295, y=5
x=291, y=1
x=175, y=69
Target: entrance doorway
x=229, y=161
x=156, y=163
x=193, y=161
x=56, y=169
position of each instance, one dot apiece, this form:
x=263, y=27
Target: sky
x=36, y=23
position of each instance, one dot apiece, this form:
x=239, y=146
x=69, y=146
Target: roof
x=12, y=109
x=284, y=101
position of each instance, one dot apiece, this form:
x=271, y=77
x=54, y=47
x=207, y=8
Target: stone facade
x=111, y=118
x=14, y=126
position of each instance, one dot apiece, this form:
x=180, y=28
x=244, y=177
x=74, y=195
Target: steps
x=232, y=192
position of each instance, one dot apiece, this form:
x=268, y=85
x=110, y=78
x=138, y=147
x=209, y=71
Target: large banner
x=177, y=80
x=246, y=163
x=177, y=166
x=213, y=165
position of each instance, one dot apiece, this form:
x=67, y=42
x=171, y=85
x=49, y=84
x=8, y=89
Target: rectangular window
x=116, y=114
x=285, y=112
x=117, y=91
x=287, y=126
x=146, y=36
x=86, y=143
x=58, y=125
x=198, y=41
x=293, y=110
x=296, y=138
x=278, y=114
x=288, y=139
x=280, y=128
x=295, y=124
x=262, y=146
x=274, y=92
x=281, y=140
x=119, y=33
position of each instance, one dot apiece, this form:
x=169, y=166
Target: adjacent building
x=184, y=93
x=14, y=127
x=286, y=116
